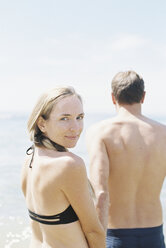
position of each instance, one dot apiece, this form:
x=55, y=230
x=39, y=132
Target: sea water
x=14, y=221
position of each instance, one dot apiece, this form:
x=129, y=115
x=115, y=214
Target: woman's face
x=65, y=123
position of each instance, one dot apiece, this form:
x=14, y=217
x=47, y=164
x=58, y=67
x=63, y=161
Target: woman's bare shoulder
x=70, y=162
x=73, y=159
x=63, y=165
x=64, y=158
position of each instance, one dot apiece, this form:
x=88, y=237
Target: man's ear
x=41, y=124
x=142, y=100
x=113, y=98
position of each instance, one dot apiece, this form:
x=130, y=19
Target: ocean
x=14, y=221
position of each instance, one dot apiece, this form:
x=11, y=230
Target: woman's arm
x=76, y=189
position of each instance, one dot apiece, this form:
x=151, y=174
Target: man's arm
x=99, y=174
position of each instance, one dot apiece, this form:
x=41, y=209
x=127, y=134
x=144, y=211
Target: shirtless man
x=127, y=168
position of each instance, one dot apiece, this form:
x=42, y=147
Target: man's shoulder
x=101, y=128
x=156, y=124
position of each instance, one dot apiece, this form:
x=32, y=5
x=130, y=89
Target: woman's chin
x=71, y=145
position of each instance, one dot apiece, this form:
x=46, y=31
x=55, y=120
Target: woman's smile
x=72, y=137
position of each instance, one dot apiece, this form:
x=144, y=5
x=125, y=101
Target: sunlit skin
x=67, y=116
x=127, y=168
x=58, y=179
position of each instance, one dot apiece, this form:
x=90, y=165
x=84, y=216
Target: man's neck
x=127, y=109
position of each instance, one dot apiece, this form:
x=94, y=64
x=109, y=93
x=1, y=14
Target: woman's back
x=43, y=188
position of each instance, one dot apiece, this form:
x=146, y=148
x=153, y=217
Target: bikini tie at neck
x=31, y=149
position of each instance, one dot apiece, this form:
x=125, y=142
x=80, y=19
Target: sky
x=82, y=43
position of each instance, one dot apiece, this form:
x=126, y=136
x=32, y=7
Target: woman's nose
x=75, y=126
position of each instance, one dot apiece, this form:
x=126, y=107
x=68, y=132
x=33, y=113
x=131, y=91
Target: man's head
x=128, y=87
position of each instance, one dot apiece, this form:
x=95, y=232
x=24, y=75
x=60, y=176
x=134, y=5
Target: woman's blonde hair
x=43, y=109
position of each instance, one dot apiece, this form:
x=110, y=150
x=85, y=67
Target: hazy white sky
x=82, y=43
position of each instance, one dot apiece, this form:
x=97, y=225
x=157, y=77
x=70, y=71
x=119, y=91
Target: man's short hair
x=128, y=87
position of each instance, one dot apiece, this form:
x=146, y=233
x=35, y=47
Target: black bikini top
x=65, y=217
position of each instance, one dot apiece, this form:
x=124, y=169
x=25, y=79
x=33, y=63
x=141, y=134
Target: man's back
x=136, y=148
x=128, y=167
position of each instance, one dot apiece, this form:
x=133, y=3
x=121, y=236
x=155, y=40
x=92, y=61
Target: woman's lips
x=72, y=137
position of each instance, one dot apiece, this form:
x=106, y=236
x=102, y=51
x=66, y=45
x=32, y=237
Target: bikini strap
x=31, y=150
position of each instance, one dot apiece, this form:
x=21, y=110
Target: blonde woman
x=54, y=180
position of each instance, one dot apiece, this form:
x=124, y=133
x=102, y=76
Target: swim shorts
x=136, y=238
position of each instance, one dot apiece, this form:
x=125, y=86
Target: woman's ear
x=41, y=123
x=113, y=98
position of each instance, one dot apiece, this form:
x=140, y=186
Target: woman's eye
x=64, y=119
x=80, y=117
